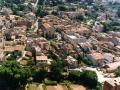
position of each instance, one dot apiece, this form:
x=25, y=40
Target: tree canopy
x=118, y=12
x=56, y=70
x=117, y=71
x=14, y=74
x=89, y=76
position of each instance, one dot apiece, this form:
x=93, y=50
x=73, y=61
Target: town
x=59, y=44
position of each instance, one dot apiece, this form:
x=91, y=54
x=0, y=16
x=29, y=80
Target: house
x=114, y=34
x=22, y=22
x=73, y=14
x=13, y=39
x=112, y=66
x=103, y=37
x=30, y=16
x=48, y=30
x=58, y=36
x=108, y=58
x=71, y=62
x=85, y=47
x=42, y=59
x=28, y=53
x=74, y=39
x=117, y=59
x=96, y=58
x=80, y=29
x=116, y=41
x=112, y=84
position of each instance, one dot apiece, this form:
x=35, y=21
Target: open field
x=57, y=87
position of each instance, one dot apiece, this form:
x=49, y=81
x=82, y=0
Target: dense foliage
x=111, y=26
x=117, y=71
x=41, y=13
x=14, y=74
x=87, y=77
x=118, y=12
x=56, y=70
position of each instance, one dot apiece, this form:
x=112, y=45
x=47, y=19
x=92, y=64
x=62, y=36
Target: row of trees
x=111, y=26
x=53, y=2
x=85, y=78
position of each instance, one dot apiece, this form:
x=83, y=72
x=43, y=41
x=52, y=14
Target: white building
x=75, y=39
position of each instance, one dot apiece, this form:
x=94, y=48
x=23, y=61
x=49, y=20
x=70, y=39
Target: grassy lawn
x=23, y=62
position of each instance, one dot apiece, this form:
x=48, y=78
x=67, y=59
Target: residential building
x=48, y=30
x=71, y=62
x=108, y=58
x=42, y=59
x=97, y=59
x=112, y=66
x=74, y=39
x=112, y=84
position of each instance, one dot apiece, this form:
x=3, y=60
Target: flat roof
x=72, y=36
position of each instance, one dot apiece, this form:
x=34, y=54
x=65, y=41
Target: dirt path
x=77, y=87
x=40, y=87
x=60, y=87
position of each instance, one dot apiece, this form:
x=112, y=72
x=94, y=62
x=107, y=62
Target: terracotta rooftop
x=39, y=58
x=97, y=56
x=46, y=25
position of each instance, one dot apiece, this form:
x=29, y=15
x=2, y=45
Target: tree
x=40, y=2
x=89, y=2
x=79, y=58
x=55, y=13
x=79, y=17
x=15, y=1
x=40, y=12
x=14, y=74
x=32, y=49
x=118, y=12
x=1, y=3
x=89, y=76
x=40, y=75
x=56, y=70
x=74, y=76
x=62, y=8
x=56, y=2
x=106, y=26
x=83, y=59
x=99, y=86
x=117, y=71
x=8, y=36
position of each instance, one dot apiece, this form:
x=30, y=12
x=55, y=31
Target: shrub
x=117, y=72
x=49, y=82
x=55, y=13
x=89, y=76
x=62, y=8
x=74, y=76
